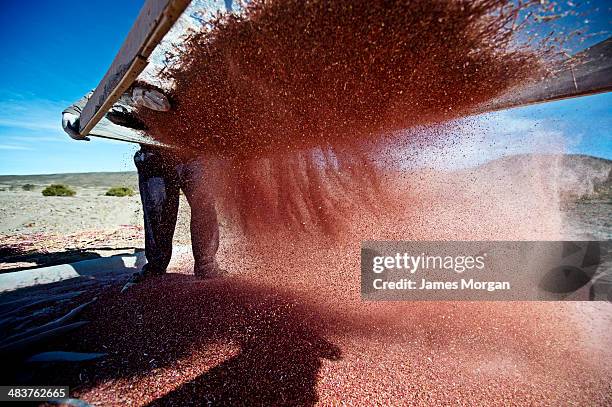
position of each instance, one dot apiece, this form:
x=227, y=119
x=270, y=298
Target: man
x=162, y=173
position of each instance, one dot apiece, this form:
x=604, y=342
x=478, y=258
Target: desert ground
x=37, y=230
x=287, y=327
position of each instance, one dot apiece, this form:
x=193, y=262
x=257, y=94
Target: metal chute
x=588, y=72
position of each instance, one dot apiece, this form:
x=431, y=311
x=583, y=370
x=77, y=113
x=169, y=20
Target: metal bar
x=128, y=135
x=586, y=73
x=154, y=21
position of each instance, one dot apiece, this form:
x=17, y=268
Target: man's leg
x=204, y=224
x=159, y=192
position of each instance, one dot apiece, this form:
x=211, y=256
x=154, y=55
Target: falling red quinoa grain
x=290, y=100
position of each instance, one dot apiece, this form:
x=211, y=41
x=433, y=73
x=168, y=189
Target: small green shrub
x=58, y=190
x=120, y=191
x=28, y=187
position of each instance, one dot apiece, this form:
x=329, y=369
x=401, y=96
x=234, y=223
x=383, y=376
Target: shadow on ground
x=273, y=345
x=12, y=259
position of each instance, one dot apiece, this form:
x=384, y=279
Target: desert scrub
x=120, y=191
x=58, y=190
x=28, y=187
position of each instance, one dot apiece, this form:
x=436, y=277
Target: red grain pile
x=291, y=99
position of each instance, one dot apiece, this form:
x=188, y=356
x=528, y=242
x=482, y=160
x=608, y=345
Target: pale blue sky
x=55, y=51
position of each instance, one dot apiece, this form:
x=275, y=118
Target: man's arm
x=138, y=96
x=71, y=115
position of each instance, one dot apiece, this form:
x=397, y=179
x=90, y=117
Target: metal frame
x=154, y=20
x=588, y=72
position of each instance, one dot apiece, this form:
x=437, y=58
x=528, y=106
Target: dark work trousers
x=161, y=176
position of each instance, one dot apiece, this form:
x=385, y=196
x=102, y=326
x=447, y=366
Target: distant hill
x=581, y=177
x=78, y=180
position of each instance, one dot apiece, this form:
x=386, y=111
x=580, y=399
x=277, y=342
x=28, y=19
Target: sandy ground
x=288, y=327
x=30, y=212
x=36, y=230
